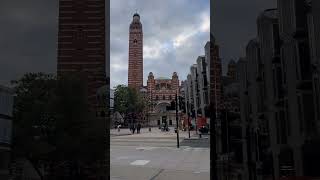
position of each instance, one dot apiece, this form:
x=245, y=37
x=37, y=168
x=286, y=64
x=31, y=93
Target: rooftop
x=163, y=78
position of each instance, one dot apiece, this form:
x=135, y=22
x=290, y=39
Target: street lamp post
x=177, y=121
x=188, y=119
x=150, y=106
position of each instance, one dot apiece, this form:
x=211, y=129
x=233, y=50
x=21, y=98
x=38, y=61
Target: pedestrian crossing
x=139, y=162
x=144, y=141
x=182, y=148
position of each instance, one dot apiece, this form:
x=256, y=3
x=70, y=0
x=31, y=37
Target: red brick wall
x=153, y=92
x=135, y=69
x=81, y=42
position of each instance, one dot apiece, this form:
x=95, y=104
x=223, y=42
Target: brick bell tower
x=135, y=69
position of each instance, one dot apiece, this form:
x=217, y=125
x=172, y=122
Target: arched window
x=163, y=97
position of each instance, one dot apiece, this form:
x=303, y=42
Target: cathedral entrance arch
x=162, y=113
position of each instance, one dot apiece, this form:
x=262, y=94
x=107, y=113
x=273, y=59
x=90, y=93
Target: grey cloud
x=27, y=38
x=162, y=21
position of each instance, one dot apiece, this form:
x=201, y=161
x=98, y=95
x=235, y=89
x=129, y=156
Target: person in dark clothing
x=138, y=128
x=133, y=128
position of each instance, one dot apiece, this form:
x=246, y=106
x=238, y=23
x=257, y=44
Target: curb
x=193, y=139
x=120, y=134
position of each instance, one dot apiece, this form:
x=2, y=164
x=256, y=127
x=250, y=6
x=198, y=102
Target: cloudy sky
x=27, y=37
x=175, y=32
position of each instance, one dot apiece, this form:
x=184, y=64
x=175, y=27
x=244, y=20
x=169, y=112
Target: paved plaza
x=154, y=156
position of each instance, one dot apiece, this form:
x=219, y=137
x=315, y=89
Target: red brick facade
x=163, y=89
x=81, y=42
x=135, y=69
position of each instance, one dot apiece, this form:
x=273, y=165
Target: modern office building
x=6, y=110
x=195, y=90
x=279, y=93
x=314, y=40
x=204, y=78
x=203, y=86
x=295, y=51
x=244, y=114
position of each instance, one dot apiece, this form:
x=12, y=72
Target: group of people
x=134, y=127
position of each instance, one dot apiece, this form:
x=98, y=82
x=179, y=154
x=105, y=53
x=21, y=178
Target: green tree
x=128, y=101
x=53, y=124
x=31, y=109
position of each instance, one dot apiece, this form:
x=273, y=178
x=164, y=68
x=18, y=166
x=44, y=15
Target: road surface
x=155, y=156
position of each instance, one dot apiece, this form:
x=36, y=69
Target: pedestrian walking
x=119, y=127
x=138, y=128
x=133, y=129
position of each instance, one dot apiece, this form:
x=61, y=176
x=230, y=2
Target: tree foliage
x=128, y=101
x=52, y=121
